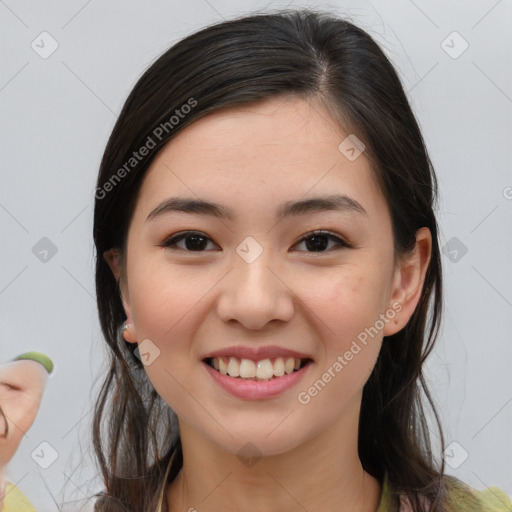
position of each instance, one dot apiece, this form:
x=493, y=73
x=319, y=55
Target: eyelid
x=329, y=234
x=177, y=237
x=10, y=386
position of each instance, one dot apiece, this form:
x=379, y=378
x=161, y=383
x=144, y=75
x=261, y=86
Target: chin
x=252, y=444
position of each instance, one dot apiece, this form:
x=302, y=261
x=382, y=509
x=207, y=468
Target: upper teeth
x=264, y=369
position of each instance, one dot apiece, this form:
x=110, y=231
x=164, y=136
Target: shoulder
x=460, y=497
x=464, y=498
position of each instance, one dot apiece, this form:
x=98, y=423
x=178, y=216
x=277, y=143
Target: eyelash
x=171, y=242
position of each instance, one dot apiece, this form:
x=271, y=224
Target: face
x=256, y=279
x=21, y=388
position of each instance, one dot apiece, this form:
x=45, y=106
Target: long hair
x=308, y=54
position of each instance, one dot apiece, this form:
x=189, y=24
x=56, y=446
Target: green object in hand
x=39, y=358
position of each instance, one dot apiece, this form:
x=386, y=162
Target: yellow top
x=462, y=498
x=16, y=501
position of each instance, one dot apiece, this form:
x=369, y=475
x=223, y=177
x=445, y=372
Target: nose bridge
x=253, y=293
x=252, y=276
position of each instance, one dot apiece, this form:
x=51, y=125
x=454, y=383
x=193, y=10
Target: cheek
x=162, y=297
x=347, y=303
x=346, y=310
x=21, y=409
x=167, y=306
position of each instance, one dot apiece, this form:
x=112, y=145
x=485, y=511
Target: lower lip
x=254, y=390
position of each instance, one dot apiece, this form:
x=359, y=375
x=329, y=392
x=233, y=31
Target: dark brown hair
x=308, y=54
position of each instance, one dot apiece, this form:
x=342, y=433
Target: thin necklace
x=161, y=500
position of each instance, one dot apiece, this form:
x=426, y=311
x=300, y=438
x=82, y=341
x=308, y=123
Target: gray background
x=58, y=111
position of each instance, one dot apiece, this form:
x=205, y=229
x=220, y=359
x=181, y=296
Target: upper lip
x=256, y=354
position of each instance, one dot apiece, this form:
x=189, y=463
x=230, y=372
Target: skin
x=189, y=303
x=21, y=388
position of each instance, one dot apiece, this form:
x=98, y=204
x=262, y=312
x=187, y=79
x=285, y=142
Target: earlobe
x=128, y=332
x=408, y=282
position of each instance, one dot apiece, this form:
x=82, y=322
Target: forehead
x=255, y=156
x=263, y=127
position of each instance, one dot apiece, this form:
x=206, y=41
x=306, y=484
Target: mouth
x=259, y=371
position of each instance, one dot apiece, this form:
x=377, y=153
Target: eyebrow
x=334, y=202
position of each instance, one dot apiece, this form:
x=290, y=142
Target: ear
x=408, y=282
x=112, y=257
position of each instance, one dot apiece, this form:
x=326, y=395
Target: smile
x=263, y=370
x=277, y=375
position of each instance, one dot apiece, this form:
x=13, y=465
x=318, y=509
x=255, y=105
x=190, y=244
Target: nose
x=254, y=294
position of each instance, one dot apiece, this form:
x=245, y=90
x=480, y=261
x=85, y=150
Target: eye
x=9, y=387
x=194, y=241
x=317, y=241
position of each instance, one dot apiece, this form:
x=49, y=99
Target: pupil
x=195, y=246
x=319, y=243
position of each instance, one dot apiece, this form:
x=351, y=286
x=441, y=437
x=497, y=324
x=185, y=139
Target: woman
x=22, y=383
x=253, y=367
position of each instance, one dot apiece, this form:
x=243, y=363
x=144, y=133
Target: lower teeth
x=255, y=378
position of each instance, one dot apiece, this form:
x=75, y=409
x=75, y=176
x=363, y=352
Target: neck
x=322, y=473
